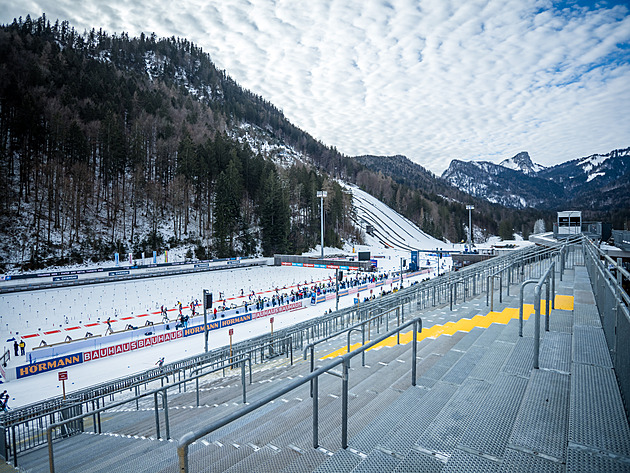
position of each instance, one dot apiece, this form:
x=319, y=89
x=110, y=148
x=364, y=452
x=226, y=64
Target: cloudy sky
x=434, y=80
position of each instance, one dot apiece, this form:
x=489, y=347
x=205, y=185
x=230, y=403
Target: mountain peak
x=521, y=162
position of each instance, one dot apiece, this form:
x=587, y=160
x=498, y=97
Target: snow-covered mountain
x=522, y=162
x=597, y=182
x=500, y=184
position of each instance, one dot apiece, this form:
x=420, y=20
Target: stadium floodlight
x=321, y=195
x=470, y=208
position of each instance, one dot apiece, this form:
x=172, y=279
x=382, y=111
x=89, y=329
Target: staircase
x=478, y=406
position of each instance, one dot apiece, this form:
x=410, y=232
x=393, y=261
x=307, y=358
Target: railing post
x=344, y=403
x=491, y=291
x=243, y=382
x=312, y=365
x=315, y=412
x=536, y=324
x=165, y=406
x=547, y=305
x=182, y=454
x=363, y=343
x=157, y=416
x=414, y=352
x=197, y=387
x=51, y=457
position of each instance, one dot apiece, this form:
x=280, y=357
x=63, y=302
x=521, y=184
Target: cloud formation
x=431, y=79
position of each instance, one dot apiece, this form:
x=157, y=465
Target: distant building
x=569, y=223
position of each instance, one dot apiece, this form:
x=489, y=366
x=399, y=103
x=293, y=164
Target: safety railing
x=77, y=420
x=548, y=279
x=344, y=361
x=610, y=281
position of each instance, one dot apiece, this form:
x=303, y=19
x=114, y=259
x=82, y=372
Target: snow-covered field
x=81, y=302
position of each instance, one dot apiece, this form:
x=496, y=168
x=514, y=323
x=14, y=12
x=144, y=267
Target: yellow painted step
x=463, y=325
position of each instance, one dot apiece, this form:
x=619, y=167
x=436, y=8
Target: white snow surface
x=592, y=162
x=391, y=230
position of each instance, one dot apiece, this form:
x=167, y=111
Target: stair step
x=597, y=419
x=518, y=461
x=541, y=424
x=405, y=434
x=555, y=352
x=449, y=425
x=495, y=356
x=465, y=461
x=589, y=346
x=341, y=461
x=492, y=424
x=381, y=425
x=416, y=461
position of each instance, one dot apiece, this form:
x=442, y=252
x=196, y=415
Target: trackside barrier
x=96, y=414
x=608, y=278
x=344, y=361
x=22, y=428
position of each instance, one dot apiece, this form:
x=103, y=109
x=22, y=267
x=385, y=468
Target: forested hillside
x=117, y=144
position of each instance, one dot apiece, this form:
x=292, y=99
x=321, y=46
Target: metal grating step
x=541, y=424
x=488, y=367
x=463, y=367
x=403, y=436
x=251, y=461
x=341, y=461
x=516, y=461
x=561, y=321
x=584, y=296
x=377, y=462
x=555, y=352
x=377, y=430
x=284, y=457
x=586, y=314
x=309, y=460
x=450, y=424
x=589, y=346
x=439, y=369
x=581, y=461
x=466, y=342
x=597, y=418
x=492, y=424
x=521, y=360
x=415, y=462
x=510, y=332
x=464, y=461
x=489, y=335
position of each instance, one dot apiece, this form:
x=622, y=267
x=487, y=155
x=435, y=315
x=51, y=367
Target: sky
x=433, y=80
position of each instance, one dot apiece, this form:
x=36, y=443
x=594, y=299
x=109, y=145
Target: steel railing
x=344, y=361
x=608, y=278
x=77, y=420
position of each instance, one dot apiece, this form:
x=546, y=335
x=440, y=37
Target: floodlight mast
x=470, y=208
x=321, y=195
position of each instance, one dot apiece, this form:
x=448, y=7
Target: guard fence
x=25, y=428
x=608, y=278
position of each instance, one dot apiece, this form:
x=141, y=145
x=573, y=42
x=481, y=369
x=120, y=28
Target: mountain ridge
x=518, y=182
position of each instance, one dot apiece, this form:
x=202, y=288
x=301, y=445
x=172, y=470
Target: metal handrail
x=544, y=279
x=162, y=391
x=344, y=360
x=520, y=313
